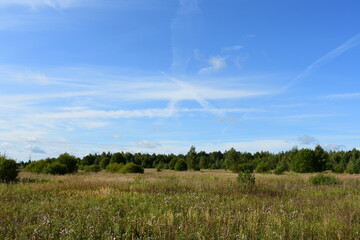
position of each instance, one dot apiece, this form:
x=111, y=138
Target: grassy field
x=178, y=205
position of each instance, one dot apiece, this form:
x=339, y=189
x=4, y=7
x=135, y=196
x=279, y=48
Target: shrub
x=322, y=179
x=8, y=170
x=69, y=161
x=304, y=161
x=281, y=167
x=180, y=165
x=160, y=167
x=36, y=167
x=172, y=163
x=56, y=168
x=114, y=167
x=245, y=167
x=263, y=167
x=279, y=170
x=246, y=178
x=131, y=168
x=338, y=168
x=353, y=166
x=92, y=168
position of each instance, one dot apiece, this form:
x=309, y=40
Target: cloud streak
x=346, y=46
x=215, y=64
x=58, y=4
x=343, y=96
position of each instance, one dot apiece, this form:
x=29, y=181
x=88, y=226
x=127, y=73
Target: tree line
x=301, y=161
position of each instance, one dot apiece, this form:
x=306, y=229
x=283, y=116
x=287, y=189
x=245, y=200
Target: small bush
x=36, y=167
x=245, y=167
x=180, y=165
x=322, y=179
x=56, y=168
x=246, y=179
x=114, y=167
x=8, y=170
x=263, y=167
x=69, y=161
x=92, y=168
x=279, y=170
x=131, y=168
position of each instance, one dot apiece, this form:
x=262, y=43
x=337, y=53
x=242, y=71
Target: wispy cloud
x=59, y=4
x=35, y=149
x=334, y=147
x=343, y=96
x=233, y=48
x=346, y=46
x=147, y=144
x=307, y=139
x=215, y=64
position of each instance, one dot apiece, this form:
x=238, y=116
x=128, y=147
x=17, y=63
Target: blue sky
x=161, y=75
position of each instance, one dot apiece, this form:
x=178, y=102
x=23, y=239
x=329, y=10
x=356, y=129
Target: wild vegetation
x=300, y=161
x=92, y=198
x=206, y=204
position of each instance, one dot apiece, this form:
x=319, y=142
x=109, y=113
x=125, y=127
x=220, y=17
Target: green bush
x=92, y=168
x=322, y=179
x=245, y=167
x=56, y=168
x=304, y=161
x=246, y=178
x=36, y=167
x=160, y=166
x=69, y=161
x=338, y=168
x=114, y=167
x=131, y=168
x=180, y=165
x=263, y=167
x=279, y=170
x=281, y=167
x=8, y=170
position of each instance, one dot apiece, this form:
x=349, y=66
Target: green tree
x=8, y=170
x=263, y=167
x=71, y=162
x=191, y=158
x=303, y=161
x=230, y=161
x=118, y=158
x=131, y=168
x=203, y=163
x=181, y=165
x=56, y=168
x=320, y=159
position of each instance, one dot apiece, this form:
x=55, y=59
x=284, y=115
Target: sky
x=158, y=76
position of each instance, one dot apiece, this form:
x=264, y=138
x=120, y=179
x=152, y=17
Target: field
x=178, y=205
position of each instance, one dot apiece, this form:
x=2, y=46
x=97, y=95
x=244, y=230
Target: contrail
x=349, y=44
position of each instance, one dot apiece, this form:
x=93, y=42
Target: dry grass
x=178, y=205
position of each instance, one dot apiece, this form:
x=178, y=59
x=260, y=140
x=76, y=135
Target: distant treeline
x=302, y=161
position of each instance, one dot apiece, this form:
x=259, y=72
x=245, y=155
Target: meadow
x=207, y=204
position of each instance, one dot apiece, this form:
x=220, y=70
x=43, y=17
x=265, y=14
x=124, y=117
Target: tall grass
x=178, y=205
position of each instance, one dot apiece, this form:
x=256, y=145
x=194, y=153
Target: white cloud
x=233, y=48
x=344, y=96
x=215, y=64
x=118, y=137
x=93, y=124
x=58, y=4
x=147, y=144
x=35, y=149
x=306, y=140
x=272, y=145
x=334, y=147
